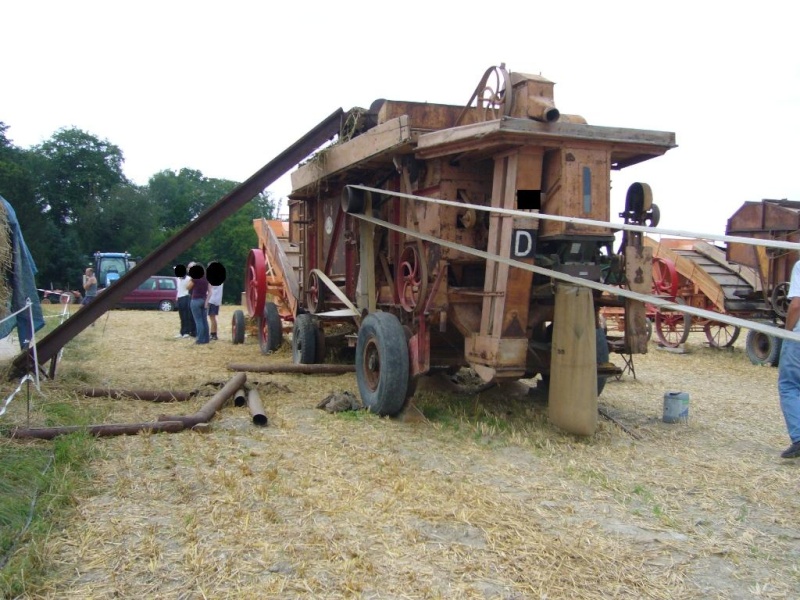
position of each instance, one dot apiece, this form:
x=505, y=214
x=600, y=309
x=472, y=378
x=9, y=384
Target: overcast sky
x=223, y=87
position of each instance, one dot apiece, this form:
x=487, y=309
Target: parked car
x=156, y=292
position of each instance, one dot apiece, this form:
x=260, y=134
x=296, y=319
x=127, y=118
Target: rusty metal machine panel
x=766, y=220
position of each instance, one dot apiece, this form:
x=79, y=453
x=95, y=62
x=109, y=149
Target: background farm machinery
x=742, y=280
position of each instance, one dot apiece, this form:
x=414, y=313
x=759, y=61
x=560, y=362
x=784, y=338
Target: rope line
x=580, y=221
x=654, y=300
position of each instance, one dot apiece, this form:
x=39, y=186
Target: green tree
x=78, y=173
x=126, y=222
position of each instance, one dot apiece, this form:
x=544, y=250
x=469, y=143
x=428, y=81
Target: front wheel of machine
x=237, y=327
x=270, y=330
x=762, y=348
x=382, y=364
x=304, y=340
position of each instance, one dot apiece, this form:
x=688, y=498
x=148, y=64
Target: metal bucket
x=676, y=407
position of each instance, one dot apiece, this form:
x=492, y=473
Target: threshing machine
x=447, y=236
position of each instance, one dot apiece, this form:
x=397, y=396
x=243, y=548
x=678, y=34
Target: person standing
x=89, y=286
x=198, y=288
x=789, y=368
x=184, y=302
x=214, y=302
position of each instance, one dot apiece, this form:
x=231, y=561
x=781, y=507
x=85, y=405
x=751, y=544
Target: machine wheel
x=304, y=340
x=780, y=299
x=412, y=280
x=763, y=349
x=665, y=277
x=255, y=283
x=314, y=293
x=721, y=335
x=602, y=356
x=652, y=216
x=353, y=201
x=672, y=327
x=166, y=305
x=270, y=330
x=237, y=327
x=382, y=364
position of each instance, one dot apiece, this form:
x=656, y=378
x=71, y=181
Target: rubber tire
x=383, y=389
x=237, y=327
x=763, y=349
x=304, y=340
x=320, y=349
x=270, y=329
x=166, y=306
x=603, y=356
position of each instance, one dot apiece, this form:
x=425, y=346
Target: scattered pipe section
x=152, y=395
x=48, y=433
x=206, y=413
x=256, y=408
x=239, y=398
x=287, y=368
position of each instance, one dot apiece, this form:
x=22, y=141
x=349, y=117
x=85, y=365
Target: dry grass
x=483, y=499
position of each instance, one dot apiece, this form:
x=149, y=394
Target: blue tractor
x=110, y=266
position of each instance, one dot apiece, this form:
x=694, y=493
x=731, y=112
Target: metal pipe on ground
x=151, y=395
x=292, y=368
x=256, y=408
x=48, y=433
x=206, y=413
x=240, y=397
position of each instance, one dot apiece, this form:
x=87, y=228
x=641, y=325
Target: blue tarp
x=22, y=280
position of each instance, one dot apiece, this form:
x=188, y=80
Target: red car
x=156, y=292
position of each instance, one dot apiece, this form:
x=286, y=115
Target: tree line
x=72, y=199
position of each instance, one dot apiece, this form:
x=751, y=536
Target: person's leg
x=199, y=317
x=203, y=337
x=789, y=387
x=213, y=311
x=185, y=313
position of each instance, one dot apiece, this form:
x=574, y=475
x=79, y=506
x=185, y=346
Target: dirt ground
x=479, y=498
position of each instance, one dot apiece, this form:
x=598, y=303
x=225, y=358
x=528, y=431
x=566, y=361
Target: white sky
x=223, y=87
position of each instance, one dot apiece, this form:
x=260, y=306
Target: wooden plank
x=527, y=132
x=426, y=115
x=383, y=138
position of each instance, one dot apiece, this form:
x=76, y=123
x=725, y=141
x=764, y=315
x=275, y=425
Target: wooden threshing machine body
x=416, y=259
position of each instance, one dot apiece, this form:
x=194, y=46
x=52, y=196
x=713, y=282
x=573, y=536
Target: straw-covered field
x=480, y=498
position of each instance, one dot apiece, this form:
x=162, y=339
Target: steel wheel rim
x=372, y=364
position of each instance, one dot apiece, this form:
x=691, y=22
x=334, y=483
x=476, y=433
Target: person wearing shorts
x=214, y=302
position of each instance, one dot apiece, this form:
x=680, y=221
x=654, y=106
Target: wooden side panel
x=425, y=116
x=335, y=159
x=576, y=184
x=780, y=218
